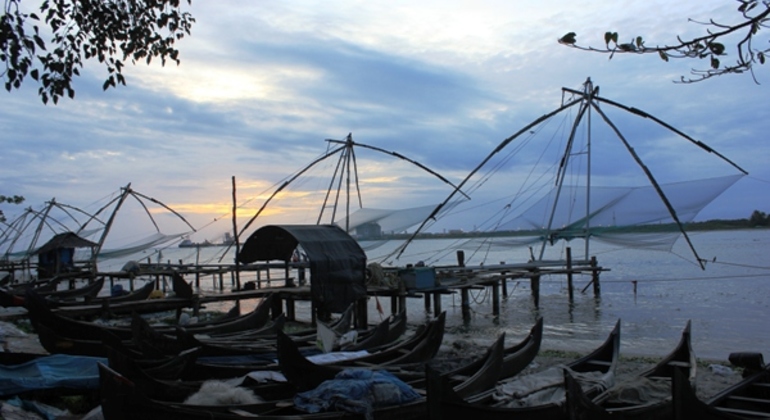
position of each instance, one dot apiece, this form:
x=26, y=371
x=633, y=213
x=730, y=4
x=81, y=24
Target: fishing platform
x=427, y=283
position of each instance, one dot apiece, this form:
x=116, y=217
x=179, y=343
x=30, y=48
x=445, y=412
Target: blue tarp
x=54, y=371
x=356, y=391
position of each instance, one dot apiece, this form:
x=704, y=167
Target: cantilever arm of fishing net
x=499, y=147
x=654, y=183
x=136, y=195
x=414, y=162
x=668, y=126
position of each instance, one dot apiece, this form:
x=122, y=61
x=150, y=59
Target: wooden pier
x=292, y=286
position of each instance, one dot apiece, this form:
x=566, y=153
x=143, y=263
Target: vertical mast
x=589, y=92
x=550, y=235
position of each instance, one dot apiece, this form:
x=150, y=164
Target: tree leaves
x=748, y=49
x=109, y=31
x=569, y=38
x=610, y=37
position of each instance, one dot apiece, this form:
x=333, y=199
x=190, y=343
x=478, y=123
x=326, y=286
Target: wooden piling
x=595, y=277
x=534, y=284
x=496, y=298
x=362, y=314
x=570, y=289
x=437, y=303
x=504, y=280
x=291, y=313
x=465, y=304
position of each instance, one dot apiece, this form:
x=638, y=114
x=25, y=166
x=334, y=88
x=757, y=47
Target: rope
x=485, y=291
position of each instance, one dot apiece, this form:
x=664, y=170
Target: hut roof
x=65, y=240
x=337, y=263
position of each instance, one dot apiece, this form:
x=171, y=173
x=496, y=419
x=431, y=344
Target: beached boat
x=54, y=297
x=60, y=334
x=748, y=399
x=419, y=346
x=515, y=358
x=646, y=396
x=599, y=366
x=305, y=374
x=152, y=342
x=123, y=399
x=41, y=314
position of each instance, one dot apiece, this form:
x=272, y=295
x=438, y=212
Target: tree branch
x=708, y=46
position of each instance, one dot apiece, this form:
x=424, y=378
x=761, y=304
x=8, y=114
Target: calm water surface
x=728, y=302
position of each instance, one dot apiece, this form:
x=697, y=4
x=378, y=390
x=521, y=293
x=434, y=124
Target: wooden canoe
x=53, y=297
x=612, y=404
x=412, y=346
x=748, y=399
x=40, y=313
x=444, y=403
x=515, y=358
x=123, y=399
x=305, y=374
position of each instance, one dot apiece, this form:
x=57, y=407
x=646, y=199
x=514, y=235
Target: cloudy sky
x=261, y=86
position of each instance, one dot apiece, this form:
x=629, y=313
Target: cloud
x=262, y=85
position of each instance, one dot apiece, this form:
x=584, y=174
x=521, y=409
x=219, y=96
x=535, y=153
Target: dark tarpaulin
x=337, y=262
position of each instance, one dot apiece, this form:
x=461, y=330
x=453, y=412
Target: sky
x=262, y=85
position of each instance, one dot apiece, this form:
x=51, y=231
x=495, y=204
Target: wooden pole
x=465, y=304
x=534, y=283
x=570, y=289
x=235, y=235
x=595, y=277
x=197, y=268
x=504, y=280
x=437, y=303
x=496, y=298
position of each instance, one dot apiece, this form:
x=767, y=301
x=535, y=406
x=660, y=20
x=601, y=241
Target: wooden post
x=496, y=298
x=570, y=289
x=595, y=277
x=362, y=314
x=277, y=307
x=465, y=304
x=289, y=282
x=504, y=280
x=291, y=313
x=313, y=315
x=534, y=283
x=426, y=296
x=237, y=242
x=437, y=303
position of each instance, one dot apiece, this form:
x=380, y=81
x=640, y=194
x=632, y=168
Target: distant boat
x=187, y=243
